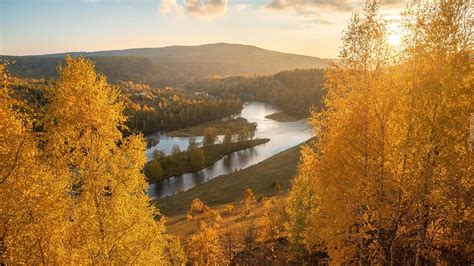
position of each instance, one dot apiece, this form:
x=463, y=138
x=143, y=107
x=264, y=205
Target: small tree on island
x=227, y=137
x=192, y=144
x=154, y=170
x=210, y=136
x=244, y=134
x=227, y=141
x=176, y=153
x=197, y=158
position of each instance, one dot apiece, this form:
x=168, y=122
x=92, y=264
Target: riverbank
x=282, y=117
x=220, y=125
x=212, y=154
x=262, y=178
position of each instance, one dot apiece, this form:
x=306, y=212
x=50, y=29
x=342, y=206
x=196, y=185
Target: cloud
x=170, y=6
x=240, y=7
x=206, y=7
x=312, y=6
x=326, y=12
x=309, y=6
x=202, y=8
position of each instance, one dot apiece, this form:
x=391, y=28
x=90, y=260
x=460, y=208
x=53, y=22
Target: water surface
x=282, y=135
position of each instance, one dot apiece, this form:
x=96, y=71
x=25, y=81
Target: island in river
x=282, y=117
x=233, y=124
x=282, y=136
x=178, y=164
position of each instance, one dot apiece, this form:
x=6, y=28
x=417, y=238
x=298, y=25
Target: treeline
x=195, y=158
x=116, y=68
x=150, y=110
x=74, y=192
x=389, y=179
x=296, y=90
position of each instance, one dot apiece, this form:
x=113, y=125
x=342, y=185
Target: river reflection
x=282, y=135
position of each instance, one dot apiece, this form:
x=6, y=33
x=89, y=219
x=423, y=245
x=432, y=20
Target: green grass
x=221, y=126
x=230, y=188
x=212, y=153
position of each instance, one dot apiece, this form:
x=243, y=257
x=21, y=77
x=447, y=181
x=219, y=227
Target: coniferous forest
x=132, y=160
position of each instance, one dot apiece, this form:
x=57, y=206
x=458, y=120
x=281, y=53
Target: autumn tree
x=301, y=207
x=202, y=214
x=176, y=153
x=158, y=155
x=112, y=220
x=270, y=225
x=227, y=137
x=231, y=242
x=192, y=144
x=197, y=158
x=243, y=134
x=248, y=201
x=227, y=141
x=153, y=170
x=248, y=231
x=34, y=200
x=204, y=247
x=210, y=136
x=437, y=163
x=387, y=177
x=174, y=251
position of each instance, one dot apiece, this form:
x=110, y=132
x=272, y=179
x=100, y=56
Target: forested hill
x=294, y=90
x=173, y=65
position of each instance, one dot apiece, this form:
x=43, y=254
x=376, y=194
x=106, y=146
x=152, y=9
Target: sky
x=308, y=27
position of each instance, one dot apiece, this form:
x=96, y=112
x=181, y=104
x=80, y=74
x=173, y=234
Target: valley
x=139, y=133
x=281, y=137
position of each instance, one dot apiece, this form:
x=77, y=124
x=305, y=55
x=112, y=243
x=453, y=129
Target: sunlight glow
x=394, y=39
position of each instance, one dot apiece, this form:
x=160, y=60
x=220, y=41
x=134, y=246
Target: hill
x=173, y=65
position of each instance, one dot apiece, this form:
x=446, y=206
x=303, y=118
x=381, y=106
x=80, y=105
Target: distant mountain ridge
x=173, y=65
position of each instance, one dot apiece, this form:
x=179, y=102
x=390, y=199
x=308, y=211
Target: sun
x=394, y=39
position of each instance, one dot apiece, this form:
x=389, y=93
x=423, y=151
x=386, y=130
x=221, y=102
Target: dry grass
x=180, y=226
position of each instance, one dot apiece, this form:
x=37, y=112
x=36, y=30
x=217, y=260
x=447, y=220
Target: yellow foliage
x=74, y=194
x=249, y=200
x=33, y=201
x=391, y=171
x=204, y=248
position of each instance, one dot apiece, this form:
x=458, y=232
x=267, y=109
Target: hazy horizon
x=158, y=47
x=312, y=28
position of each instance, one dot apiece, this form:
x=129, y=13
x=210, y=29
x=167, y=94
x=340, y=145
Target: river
x=282, y=135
